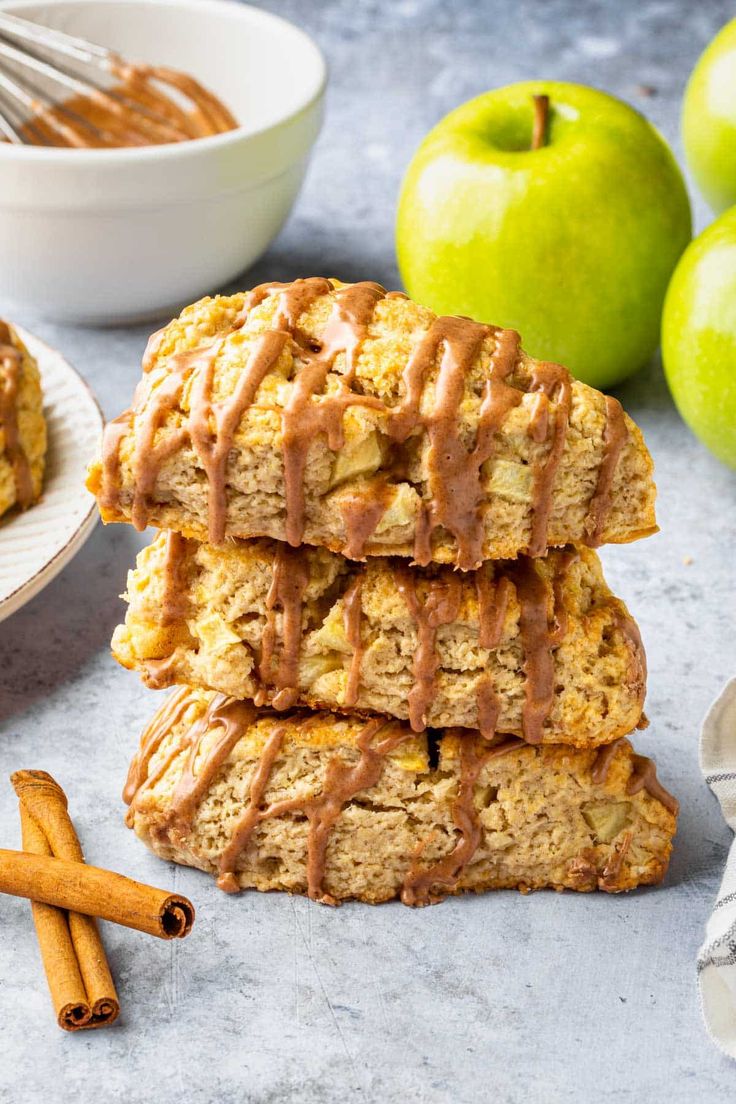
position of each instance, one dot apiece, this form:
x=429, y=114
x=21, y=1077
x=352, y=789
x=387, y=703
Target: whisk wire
x=53, y=73
x=48, y=37
x=48, y=97
x=36, y=103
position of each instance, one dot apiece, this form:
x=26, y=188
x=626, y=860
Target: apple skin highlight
x=572, y=244
x=709, y=121
x=699, y=337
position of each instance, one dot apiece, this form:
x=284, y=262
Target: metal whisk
x=59, y=90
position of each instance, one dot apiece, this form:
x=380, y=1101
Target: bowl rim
x=194, y=147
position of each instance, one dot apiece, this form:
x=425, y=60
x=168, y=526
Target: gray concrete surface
x=504, y=998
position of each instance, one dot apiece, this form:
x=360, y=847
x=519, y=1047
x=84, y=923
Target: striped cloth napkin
x=717, y=956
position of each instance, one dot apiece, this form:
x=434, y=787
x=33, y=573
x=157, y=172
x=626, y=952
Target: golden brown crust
x=22, y=423
x=530, y=818
x=213, y=637
x=535, y=440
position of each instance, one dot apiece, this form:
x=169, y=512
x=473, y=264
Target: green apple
x=699, y=337
x=572, y=244
x=709, y=120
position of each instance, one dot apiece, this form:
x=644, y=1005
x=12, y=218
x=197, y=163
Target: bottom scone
x=343, y=808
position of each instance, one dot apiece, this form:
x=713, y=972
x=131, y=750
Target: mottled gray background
x=507, y=998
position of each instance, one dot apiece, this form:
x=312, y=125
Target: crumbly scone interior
x=20, y=403
x=543, y=816
x=216, y=640
x=345, y=476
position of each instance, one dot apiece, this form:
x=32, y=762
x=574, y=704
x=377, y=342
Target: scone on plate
x=22, y=424
x=539, y=648
x=345, y=417
x=340, y=807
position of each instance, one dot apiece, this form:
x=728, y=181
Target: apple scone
x=339, y=807
x=22, y=424
x=539, y=648
x=348, y=418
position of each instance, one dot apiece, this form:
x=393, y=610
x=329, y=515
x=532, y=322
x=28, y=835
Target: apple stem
x=541, y=118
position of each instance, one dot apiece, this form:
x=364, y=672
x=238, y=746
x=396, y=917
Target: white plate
x=37, y=544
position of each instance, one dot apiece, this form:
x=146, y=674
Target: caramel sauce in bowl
x=127, y=233
x=149, y=106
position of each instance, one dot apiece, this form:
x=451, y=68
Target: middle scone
x=538, y=648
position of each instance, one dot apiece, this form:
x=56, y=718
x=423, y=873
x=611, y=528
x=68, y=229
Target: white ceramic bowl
x=102, y=236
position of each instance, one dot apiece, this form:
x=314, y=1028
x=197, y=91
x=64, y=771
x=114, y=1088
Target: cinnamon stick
x=95, y=892
x=81, y=985
x=68, y=994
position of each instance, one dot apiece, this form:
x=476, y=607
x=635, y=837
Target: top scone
x=342, y=416
x=22, y=424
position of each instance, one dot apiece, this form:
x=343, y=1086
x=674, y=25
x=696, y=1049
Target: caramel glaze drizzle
x=158, y=674
x=552, y=383
x=535, y=638
x=538, y=639
x=474, y=754
x=112, y=438
x=213, y=448
x=361, y=517
x=440, y=606
x=10, y=367
x=168, y=717
x=303, y=419
x=228, y=717
x=629, y=629
x=352, y=611
x=117, y=429
x=152, y=408
x=226, y=714
x=432, y=603
x=454, y=479
x=454, y=470
x=342, y=780
x=289, y=581
x=643, y=775
x=566, y=558
x=173, y=608
x=614, y=864
x=615, y=436
x=174, y=603
x=253, y=813
x=493, y=602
